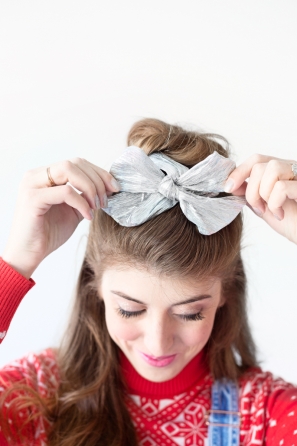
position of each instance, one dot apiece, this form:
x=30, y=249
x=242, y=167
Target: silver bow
x=151, y=184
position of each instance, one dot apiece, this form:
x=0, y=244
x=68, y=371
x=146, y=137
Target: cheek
x=199, y=334
x=120, y=328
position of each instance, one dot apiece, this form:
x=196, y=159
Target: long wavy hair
x=88, y=407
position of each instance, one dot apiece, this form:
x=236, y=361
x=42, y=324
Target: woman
x=159, y=315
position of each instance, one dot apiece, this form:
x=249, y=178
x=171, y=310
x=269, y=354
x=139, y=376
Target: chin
x=158, y=374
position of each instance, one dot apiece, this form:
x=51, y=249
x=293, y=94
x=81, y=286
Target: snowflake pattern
x=180, y=421
x=268, y=407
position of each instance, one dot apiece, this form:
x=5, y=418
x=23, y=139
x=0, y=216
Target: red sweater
x=170, y=413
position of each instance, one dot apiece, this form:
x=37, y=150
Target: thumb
x=235, y=184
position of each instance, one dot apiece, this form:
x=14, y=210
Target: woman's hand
x=270, y=191
x=45, y=217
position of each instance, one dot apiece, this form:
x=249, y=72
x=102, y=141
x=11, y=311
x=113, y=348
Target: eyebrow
x=188, y=301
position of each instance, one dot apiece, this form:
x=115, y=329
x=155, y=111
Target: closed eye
x=188, y=317
x=127, y=314
x=192, y=317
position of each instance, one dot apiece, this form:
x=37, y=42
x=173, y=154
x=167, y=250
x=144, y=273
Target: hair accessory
x=294, y=170
x=151, y=184
x=50, y=178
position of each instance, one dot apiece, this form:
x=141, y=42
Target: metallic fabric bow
x=151, y=184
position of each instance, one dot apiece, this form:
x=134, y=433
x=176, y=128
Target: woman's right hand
x=45, y=217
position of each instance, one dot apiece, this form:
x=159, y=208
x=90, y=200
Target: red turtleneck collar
x=191, y=374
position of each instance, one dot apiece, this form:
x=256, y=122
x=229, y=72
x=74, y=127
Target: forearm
x=13, y=287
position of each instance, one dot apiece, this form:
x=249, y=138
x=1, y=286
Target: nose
x=159, y=337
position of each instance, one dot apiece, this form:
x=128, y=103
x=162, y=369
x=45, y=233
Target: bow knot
x=169, y=187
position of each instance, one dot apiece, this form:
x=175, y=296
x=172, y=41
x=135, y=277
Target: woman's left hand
x=271, y=191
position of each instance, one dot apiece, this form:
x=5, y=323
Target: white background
x=75, y=75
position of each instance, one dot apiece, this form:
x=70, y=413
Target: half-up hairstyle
x=89, y=406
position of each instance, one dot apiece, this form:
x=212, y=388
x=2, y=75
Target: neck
x=192, y=373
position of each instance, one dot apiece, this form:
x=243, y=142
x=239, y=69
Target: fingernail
x=92, y=213
x=97, y=202
x=115, y=184
x=105, y=202
x=229, y=186
x=258, y=212
x=277, y=217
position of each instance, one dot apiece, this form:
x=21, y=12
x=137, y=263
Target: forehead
x=141, y=283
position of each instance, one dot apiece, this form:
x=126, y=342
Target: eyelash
x=187, y=317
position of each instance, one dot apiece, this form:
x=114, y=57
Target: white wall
x=74, y=76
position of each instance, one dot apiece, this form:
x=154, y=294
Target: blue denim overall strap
x=224, y=418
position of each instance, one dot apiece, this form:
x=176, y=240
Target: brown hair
x=89, y=406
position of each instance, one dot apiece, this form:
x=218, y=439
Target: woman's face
x=150, y=317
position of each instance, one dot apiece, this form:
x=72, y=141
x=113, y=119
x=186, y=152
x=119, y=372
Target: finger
x=243, y=171
x=38, y=177
x=44, y=198
x=282, y=191
x=100, y=198
x=110, y=183
x=241, y=190
x=102, y=179
x=275, y=171
x=252, y=191
x=62, y=173
x=101, y=190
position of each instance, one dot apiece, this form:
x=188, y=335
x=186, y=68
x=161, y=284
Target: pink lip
x=160, y=361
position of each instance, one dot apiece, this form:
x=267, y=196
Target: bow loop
x=169, y=188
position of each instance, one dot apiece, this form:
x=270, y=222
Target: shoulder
x=264, y=389
x=268, y=404
x=256, y=380
x=37, y=370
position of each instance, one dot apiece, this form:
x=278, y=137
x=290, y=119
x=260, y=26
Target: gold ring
x=50, y=178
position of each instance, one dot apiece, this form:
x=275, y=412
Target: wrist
x=22, y=267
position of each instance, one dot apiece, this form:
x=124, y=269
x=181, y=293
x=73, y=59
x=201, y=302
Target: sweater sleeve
x=13, y=287
x=268, y=406
x=282, y=427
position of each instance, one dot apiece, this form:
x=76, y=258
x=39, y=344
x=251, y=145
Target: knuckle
x=77, y=160
x=256, y=158
x=273, y=164
x=27, y=175
x=272, y=204
x=280, y=186
x=100, y=185
x=66, y=165
x=92, y=190
x=256, y=169
x=264, y=191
